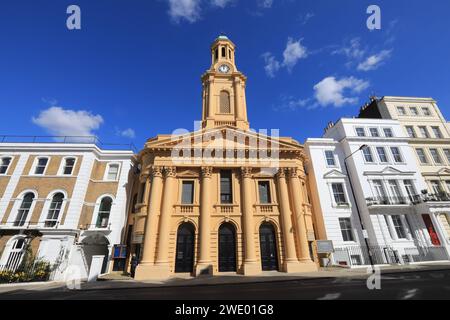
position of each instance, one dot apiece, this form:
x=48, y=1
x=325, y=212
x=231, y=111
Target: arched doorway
x=227, y=248
x=95, y=245
x=268, y=245
x=184, y=259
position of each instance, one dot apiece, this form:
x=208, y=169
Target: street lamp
x=364, y=231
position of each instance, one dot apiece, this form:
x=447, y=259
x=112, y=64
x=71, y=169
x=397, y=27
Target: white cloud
x=304, y=18
x=294, y=51
x=374, y=61
x=221, y=3
x=331, y=91
x=290, y=103
x=271, y=64
x=65, y=122
x=351, y=50
x=184, y=9
x=266, y=4
x=127, y=133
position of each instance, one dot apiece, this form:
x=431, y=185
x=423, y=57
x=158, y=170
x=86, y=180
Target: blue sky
x=135, y=64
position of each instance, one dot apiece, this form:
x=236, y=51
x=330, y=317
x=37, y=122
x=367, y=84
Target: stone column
x=143, y=270
x=237, y=97
x=162, y=254
x=298, y=201
x=204, y=265
x=210, y=110
x=290, y=263
x=251, y=265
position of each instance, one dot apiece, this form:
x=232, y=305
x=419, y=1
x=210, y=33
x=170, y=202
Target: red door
x=430, y=227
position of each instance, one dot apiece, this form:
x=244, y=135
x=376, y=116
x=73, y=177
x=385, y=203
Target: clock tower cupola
x=223, y=97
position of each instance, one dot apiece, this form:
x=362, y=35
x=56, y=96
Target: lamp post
x=364, y=231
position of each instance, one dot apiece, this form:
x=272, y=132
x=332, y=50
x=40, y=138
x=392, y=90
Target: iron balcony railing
x=442, y=196
x=67, y=139
x=415, y=199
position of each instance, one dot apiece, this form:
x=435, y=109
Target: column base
x=252, y=268
x=152, y=271
x=297, y=267
x=204, y=269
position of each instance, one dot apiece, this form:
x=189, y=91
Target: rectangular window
x=423, y=132
x=396, y=154
x=187, y=193
x=382, y=154
x=410, y=131
x=426, y=111
x=360, y=132
x=437, y=132
x=346, y=229
x=414, y=111
x=388, y=132
x=329, y=155
x=68, y=166
x=41, y=165
x=401, y=111
x=395, y=192
x=368, y=157
x=264, y=192
x=436, y=186
x=374, y=132
x=379, y=189
x=436, y=156
x=399, y=227
x=422, y=156
x=113, y=172
x=410, y=190
x=447, y=155
x=4, y=164
x=226, y=196
x=339, y=194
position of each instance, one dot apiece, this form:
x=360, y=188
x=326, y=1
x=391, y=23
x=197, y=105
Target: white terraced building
x=382, y=173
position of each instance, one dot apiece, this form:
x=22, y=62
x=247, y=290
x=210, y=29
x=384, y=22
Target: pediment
x=444, y=172
x=334, y=174
x=387, y=171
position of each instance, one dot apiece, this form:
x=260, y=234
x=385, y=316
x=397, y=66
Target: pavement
x=325, y=276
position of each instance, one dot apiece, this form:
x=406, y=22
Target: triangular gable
x=334, y=174
x=444, y=172
x=388, y=171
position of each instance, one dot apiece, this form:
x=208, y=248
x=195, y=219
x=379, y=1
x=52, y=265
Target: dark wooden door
x=227, y=248
x=268, y=245
x=184, y=260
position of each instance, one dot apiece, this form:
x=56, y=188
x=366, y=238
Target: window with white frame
x=395, y=191
x=54, y=210
x=401, y=111
x=399, y=227
x=331, y=161
x=367, y=153
x=360, y=132
x=4, y=164
x=374, y=132
x=15, y=253
x=382, y=154
x=410, y=189
x=447, y=154
x=346, y=229
x=24, y=209
x=424, y=132
x=41, y=165
x=339, y=194
x=414, y=111
x=436, y=156
x=437, y=132
x=436, y=186
x=388, y=132
x=113, y=172
x=187, y=192
x=379, y=189
x=69, y=164
x=104, y=212
x=411, y=132
x=264, y=192
x=447, y=183
x=426, y=111
x=422, y=156
x=397, y=156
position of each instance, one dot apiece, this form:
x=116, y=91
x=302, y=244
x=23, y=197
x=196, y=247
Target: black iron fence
x=414, y=199
x=359, y=255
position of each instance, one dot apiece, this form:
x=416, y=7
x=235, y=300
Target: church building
x=223, y=198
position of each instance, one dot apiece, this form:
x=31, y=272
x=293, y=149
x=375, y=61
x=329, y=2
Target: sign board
x=324, y=246
x=119, y=251
x=138, y=238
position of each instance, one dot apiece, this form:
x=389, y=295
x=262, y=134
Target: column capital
x=281, y=173
x=246, y=172
x=206, y=172
x=156, y=171
x=170, y=172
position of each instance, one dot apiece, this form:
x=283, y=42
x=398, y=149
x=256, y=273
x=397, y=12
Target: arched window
x=24, y=209
x=14, y=252
x=225, y=102
x=104, y=212
x=54, y=210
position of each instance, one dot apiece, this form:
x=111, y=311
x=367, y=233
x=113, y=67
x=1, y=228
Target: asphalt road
x=410, y=285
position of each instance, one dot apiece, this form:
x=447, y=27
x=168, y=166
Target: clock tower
x=223, y=95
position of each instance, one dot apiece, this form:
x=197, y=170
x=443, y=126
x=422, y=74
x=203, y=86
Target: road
x=410, y=285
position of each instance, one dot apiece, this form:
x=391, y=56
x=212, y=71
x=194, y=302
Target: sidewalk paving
x=117, y=281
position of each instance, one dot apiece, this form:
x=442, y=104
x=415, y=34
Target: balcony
x=266, y=208
x=390, y=201
x=186, y=209
x=435, y=197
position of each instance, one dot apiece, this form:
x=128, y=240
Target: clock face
x=224, y=68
